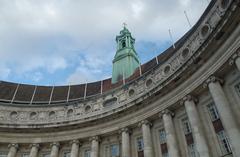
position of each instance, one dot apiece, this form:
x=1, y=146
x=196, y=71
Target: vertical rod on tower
x=187, y=19
x=170, y=34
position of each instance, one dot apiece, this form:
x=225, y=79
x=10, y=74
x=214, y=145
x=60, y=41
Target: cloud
x=63, y=36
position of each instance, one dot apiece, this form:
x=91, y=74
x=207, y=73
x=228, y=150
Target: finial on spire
x=124, y=24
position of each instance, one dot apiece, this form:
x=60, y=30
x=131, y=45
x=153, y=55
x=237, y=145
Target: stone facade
x=185, y=107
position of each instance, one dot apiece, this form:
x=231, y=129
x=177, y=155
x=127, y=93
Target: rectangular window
x=186, y=126
x=67, y=154
x=140, y=145
x=224, y=142
x=114, y=150
x=192, y=150
x=213, y=112
x=87, y=153
x=162, y=135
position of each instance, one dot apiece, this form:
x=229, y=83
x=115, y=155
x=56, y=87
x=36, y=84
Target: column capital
x=146, y=122
x=13, y=145
x=188, y=98
x=127, y=130
x=76, y=142
x=212, y=79
x=94, y=138
x=34, y=145
x=166, y=112
x=57, y=144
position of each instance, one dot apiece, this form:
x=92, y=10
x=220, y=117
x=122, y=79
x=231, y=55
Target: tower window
x=123, y=44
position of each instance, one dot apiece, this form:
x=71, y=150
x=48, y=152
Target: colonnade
x=222, y=105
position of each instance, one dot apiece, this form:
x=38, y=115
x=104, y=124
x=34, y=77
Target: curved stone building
x=183, y=103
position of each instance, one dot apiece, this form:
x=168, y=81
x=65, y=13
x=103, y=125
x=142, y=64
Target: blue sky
x=59, y=42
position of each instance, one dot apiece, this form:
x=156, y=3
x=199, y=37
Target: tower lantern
x=126, y=60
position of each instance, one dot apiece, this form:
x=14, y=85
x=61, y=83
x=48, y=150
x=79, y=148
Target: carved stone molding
x=13, y=145
x=212, y=79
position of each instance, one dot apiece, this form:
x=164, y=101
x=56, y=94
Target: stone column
x=147, y=138
x=12, y=150
x=235, y=59
x=172, y=145
x=226, y=115
x=125, y=142
x=95, y=146
x=75, y=148
x=55, y=149
x=34, y=150
x=195, y=122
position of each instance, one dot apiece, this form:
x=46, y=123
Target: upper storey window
x=87, y=153
x=114, y=150
x=186, y=126
x=66, y=154
x=213, y=112
x=140, y=145
x=162, y=135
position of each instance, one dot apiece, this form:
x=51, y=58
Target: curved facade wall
x=185, y=104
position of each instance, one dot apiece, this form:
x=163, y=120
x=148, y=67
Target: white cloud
x=52, y=34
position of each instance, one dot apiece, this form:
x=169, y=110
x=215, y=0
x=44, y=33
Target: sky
x=60, y=42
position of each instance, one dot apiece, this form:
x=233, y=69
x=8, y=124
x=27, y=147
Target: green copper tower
x=126, y=60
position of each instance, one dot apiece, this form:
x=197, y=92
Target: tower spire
x=126, y=60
